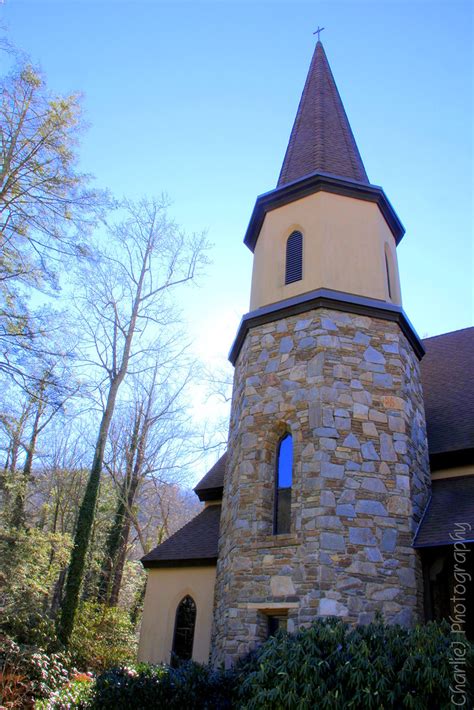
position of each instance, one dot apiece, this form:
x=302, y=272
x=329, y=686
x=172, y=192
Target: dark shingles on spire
x=321, y=139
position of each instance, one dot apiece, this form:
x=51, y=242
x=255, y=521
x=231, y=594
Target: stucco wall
x=344, y=250
x=165, y=589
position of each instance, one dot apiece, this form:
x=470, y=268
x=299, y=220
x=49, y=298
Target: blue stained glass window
x=283, y=483
x=285, y=462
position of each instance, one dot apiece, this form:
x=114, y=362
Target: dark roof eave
x=316, y=182
x=209, y=494
x=192, y=562
x=451, y=458
x=325, y=298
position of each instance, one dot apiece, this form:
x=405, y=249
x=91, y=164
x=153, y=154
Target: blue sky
x=197, y=99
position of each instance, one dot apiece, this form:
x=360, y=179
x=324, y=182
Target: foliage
x=27, y=673
x=189, y=686
x=103, y=637
x=75, y=694
x=30, y=562
x=329, y=665
x=333, y=665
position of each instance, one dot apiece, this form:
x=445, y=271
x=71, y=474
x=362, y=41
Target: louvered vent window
x=294, y=258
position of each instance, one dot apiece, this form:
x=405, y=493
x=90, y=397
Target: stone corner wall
x=348, y=388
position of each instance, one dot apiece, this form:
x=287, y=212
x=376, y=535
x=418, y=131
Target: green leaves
x=333, y=665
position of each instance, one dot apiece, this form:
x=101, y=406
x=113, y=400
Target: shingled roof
x=210, y=487
x=449, y=516
x=448, y=387
x=321, y=139
x=194, y=544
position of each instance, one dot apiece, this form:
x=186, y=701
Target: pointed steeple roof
x=321, y=139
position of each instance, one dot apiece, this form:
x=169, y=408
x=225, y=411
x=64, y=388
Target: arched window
x=283, y=482
x=294, y=258
x=184, y=630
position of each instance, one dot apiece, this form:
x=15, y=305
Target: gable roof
x=194, y=544
x=448, y=387
x=449, y=515
x=321, y=139
x=210, y=487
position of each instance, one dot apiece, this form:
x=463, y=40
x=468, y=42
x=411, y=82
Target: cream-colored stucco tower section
x=347, y=247
x=166, y=587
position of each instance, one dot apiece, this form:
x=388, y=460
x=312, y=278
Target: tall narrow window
x=388, y=277
x=294, y=258
x=184, y=631
x=390, y=271
x=284, y=479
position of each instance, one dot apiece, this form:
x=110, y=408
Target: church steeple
x=321, y=139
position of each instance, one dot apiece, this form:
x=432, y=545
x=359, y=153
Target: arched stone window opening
x=283, y=483
x=294, y=258
x=183, y=637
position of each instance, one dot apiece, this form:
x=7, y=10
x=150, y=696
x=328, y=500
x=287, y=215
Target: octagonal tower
x=327, y=362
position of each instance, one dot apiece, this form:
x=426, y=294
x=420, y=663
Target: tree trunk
x=18, y=519
x=85, y=521
x=122, y=550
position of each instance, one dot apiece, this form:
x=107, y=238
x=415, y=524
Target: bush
x=76, y=694
x=188, y=687
x=334, y=665
x=102, y=637
x=330, y=665
x=27, y=673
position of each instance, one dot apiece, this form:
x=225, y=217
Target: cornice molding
x=325, y=298
x=316, y=182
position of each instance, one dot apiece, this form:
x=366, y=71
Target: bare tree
x=46, y=206
x=126, y=296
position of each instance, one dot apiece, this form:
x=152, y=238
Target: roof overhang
x=193, y=562
x=316, y=182
x=451, y=459
x=325, y=298
x=209, y=494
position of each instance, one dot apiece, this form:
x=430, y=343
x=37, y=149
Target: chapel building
x=349, y=472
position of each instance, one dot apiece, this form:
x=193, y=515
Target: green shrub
x=188, y=687
x=102, y=637
x=330, y=665
x=75, y=694
x=333, y=665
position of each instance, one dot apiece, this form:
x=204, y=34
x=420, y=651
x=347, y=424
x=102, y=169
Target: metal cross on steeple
x=318, y=31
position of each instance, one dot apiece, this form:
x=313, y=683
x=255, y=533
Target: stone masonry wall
x=348, y=389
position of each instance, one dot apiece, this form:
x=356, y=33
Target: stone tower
x=326, y=359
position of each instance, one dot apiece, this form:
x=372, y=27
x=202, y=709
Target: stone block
x=347, y=510
x=373, y=355
x=286, y=344
x=331, y=470
x=387, y=451
x=389, y=540
x=351, y=442
x=331, y=607
x=371, y=507
x=369, y=452
x=332, y=541
x=362, y=536
x=281, y=586
x=360, y=411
